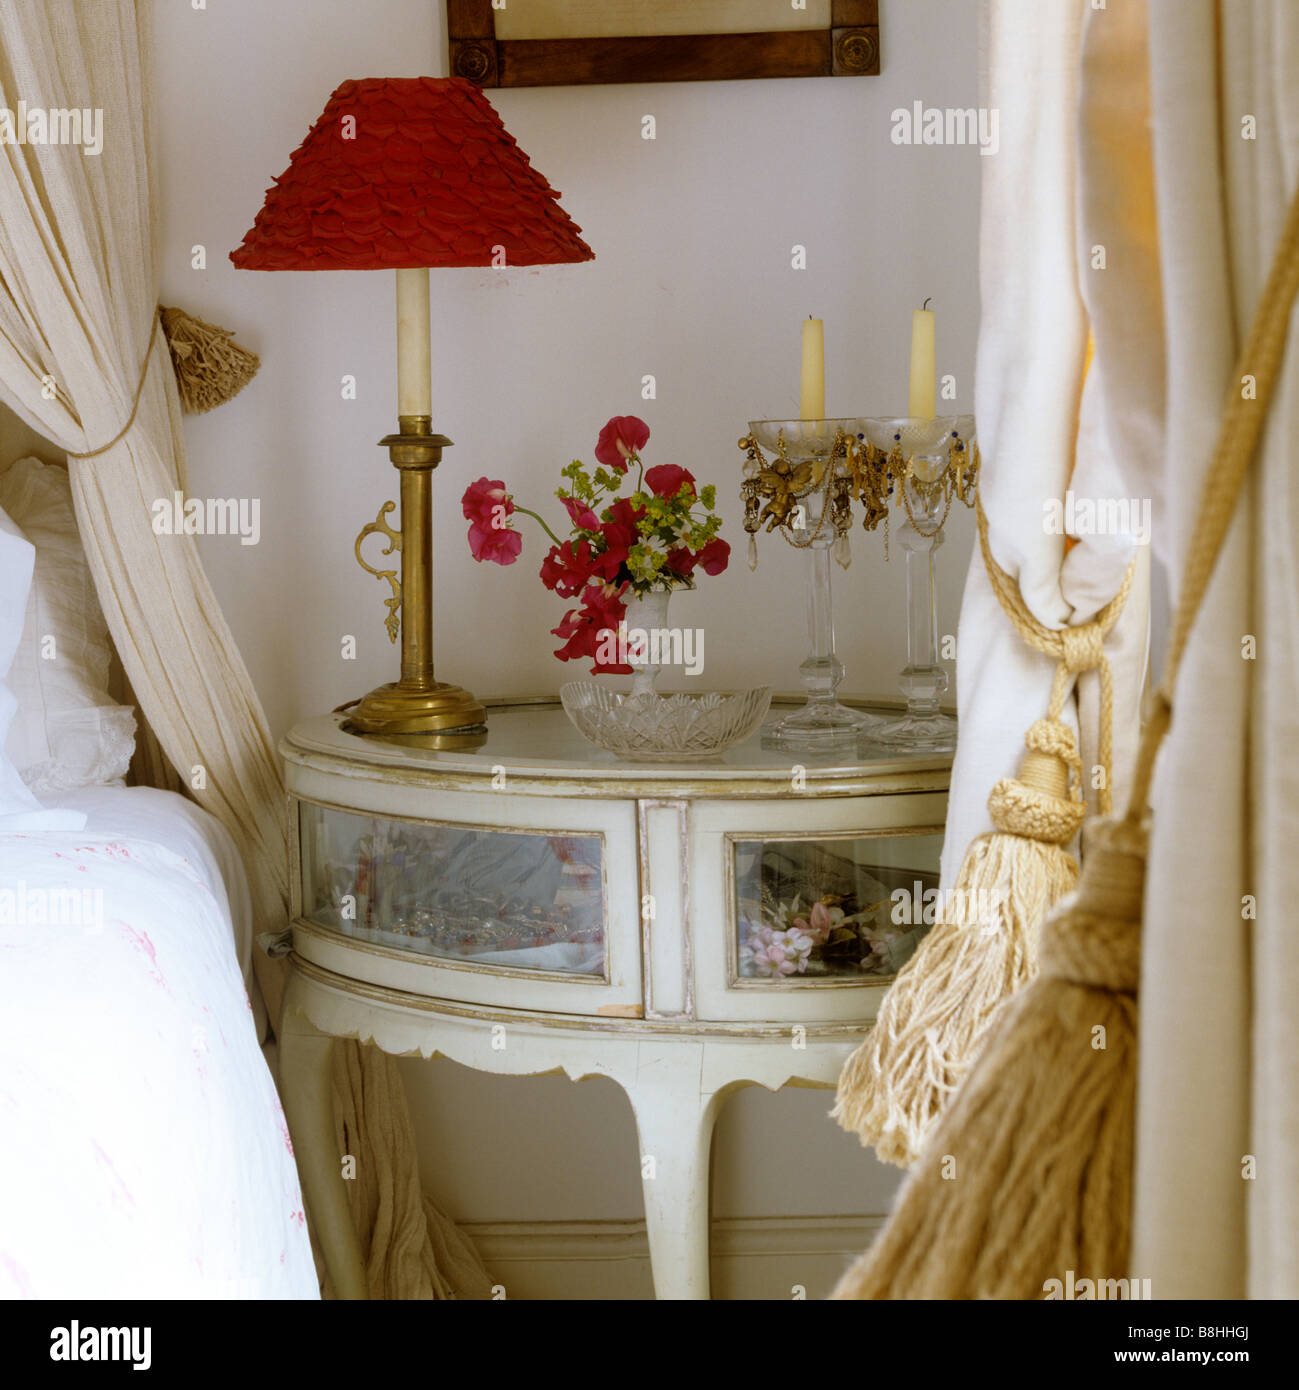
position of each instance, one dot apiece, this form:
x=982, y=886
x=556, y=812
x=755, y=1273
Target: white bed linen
x=143, y=1150
x=188, y=830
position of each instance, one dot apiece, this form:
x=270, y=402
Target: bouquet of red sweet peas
x=619, y=547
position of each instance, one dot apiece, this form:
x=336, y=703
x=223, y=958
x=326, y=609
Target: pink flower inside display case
x=817, y=908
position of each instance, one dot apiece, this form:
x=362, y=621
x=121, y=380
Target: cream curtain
x=1040, y=433
x=1188, y=156
x=1176, y=123
x=1217, y=1174
x=77, y=302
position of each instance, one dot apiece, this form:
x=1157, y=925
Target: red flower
x=607, y=564
x=681, y=561
x=581, y=515
x=620, y=533
x=577, y=634
x=552, y=568
x=604, y=603
x=487, y=503
x=667, y=480
x=586, y=630
x=623, y=437
x=567, y=568
x=715, y=556
x=502, y=547
x=623, y=514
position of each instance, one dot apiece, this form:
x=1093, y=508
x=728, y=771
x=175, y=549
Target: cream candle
x=414, y=374
x=921, y=404
x=812, y=398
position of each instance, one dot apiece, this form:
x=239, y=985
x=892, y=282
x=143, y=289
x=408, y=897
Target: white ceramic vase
x=646, y=613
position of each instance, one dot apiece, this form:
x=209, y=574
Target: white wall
x=693, y=284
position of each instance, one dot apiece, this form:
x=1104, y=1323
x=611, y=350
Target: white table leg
x=675, y=1124
x=306, y=1076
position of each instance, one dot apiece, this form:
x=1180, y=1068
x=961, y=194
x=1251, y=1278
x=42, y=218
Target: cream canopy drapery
x=77, y=301
x=1040, y=430
x=1172, y=128
x=1187, y=157
x=1216, y=1212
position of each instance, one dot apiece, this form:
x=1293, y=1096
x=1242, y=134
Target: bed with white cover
x=143, y=1151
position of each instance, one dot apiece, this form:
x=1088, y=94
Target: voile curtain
x=78, y=292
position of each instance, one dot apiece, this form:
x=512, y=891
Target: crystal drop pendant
x=753, y=551
x=843, y=551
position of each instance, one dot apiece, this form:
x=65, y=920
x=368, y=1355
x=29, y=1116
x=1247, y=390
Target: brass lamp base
x=390, y=709
x=418, y=703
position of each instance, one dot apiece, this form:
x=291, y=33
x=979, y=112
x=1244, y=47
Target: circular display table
x=526, y=903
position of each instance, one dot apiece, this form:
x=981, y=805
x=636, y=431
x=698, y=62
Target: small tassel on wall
x=931, y=1024
x=1028, y=1174
x=210, y=366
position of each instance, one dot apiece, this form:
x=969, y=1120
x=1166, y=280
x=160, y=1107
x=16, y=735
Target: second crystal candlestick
x=801, y=486
x=923, y=465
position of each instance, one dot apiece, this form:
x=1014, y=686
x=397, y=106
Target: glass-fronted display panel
x=811, y=908
x=492, y=897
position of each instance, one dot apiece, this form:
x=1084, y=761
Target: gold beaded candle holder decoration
x=924, y=466
x=804, y=492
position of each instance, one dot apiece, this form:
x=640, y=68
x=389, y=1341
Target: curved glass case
x=847, y=906
x=501, y=898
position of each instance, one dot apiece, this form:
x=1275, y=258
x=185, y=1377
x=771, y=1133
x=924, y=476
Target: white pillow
x=68, y=732
x=16, y=559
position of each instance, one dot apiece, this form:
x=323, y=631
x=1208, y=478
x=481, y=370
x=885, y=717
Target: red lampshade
x=400, y=173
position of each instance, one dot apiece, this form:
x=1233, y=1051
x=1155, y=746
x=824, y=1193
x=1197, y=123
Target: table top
x=542, y=753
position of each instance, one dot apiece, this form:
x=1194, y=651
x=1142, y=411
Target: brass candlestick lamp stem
x=418, y=702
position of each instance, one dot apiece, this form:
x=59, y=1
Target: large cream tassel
x=982, y=947
x=980, y=950
x=1028, y=1175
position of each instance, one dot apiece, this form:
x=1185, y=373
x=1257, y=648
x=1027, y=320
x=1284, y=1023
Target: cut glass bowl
x=675, y=728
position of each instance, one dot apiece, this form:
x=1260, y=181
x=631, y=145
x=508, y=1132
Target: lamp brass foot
x=393, y=710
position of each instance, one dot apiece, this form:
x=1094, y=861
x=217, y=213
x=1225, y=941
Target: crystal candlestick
x=924, y=466
x=802, y=487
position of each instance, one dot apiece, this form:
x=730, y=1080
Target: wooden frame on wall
x=547, y=43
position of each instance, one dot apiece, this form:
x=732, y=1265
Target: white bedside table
x=534, y=904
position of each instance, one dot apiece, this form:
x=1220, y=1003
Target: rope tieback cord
x=135, y=403
x=1075, y=649
x=210, y=368
x=984, y=946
